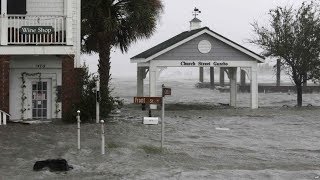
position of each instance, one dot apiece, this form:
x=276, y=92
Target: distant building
x=39, y=51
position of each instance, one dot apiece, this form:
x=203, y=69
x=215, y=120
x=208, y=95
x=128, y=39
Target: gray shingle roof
x=177, y=39
x=167, y=44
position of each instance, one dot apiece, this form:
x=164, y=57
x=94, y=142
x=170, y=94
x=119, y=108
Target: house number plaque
x=41, y=66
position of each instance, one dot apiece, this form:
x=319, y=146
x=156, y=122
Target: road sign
x=150, y=120
x=147, y=100
x=155, y=100
x=166, y=91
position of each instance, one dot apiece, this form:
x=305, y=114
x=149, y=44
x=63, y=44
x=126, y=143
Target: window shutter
x=17, y=7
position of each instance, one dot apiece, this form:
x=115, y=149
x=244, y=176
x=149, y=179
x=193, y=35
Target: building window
x=16, y=7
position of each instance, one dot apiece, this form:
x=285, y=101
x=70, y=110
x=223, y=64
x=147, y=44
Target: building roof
x=180, y=37
x=195, y=20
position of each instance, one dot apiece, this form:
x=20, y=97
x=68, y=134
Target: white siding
x=45, y=7
x=55, y=8
x=219, y=51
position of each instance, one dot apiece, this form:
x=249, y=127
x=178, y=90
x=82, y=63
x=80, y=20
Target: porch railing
x=3, y=117
x=56, y=23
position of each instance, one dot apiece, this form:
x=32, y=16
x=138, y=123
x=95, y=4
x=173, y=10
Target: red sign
x=147, y=100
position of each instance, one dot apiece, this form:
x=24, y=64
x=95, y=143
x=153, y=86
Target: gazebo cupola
x=195, y=23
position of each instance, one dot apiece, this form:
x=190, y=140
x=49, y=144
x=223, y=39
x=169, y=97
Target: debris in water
x=223, y=104
x=222, y=129
x=53, y=165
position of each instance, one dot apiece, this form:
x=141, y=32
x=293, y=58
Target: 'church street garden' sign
x=36, y=30
x=203, y=63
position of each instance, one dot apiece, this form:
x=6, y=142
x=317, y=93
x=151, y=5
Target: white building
x=39, y=54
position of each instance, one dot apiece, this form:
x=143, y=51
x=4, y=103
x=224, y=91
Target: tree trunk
x=299, y=95
x=298, y=80
x=104, y=72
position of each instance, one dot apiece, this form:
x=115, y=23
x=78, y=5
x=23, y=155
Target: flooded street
x=202, y=141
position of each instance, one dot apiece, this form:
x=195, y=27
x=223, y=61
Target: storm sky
x=230, y=18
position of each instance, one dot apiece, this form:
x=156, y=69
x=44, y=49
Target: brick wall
x=70, y=92
x=4, y=83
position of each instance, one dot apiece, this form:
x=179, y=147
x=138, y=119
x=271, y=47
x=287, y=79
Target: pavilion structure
x=199, y=47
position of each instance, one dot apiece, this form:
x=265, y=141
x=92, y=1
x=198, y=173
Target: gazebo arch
x=200, y=47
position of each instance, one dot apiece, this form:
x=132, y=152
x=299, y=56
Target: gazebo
x=199, y=47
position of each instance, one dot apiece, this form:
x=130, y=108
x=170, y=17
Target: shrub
x=87, y=103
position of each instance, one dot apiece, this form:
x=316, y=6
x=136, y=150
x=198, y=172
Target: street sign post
x=165, y=91
x=98, y=100
x=156, y=100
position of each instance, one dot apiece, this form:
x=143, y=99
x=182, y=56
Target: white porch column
x=153, y=83
x=140, y=77
x=69, y=24
x=233, y=86
x=3, y=23
x=254, y=87
x=77, y=41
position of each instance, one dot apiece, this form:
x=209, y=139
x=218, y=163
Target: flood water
x=203, y=140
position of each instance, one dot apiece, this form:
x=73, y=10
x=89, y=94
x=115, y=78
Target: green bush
x=87, y=103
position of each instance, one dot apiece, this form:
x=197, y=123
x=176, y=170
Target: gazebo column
x=222, y=77
x=242, y=77
x=140, y=78
x=278, y=72
x=254, y=87
x=153, y=84
x=201, y=74
x=305, y=83
x=233, y=86
x=212, y=77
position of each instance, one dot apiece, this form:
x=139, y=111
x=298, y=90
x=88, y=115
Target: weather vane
x=196, y=12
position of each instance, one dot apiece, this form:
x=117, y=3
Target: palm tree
x=115, y=23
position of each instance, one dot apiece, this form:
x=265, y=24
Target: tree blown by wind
x=293, y=35
x=108, y=24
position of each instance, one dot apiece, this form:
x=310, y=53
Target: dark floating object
x=309, y=105
x=53, y=165
x=286, y=106
x=223, y=104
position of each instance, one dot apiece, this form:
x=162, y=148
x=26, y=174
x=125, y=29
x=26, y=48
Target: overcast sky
x=230, y=18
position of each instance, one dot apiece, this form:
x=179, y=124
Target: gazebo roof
x=166, y=45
